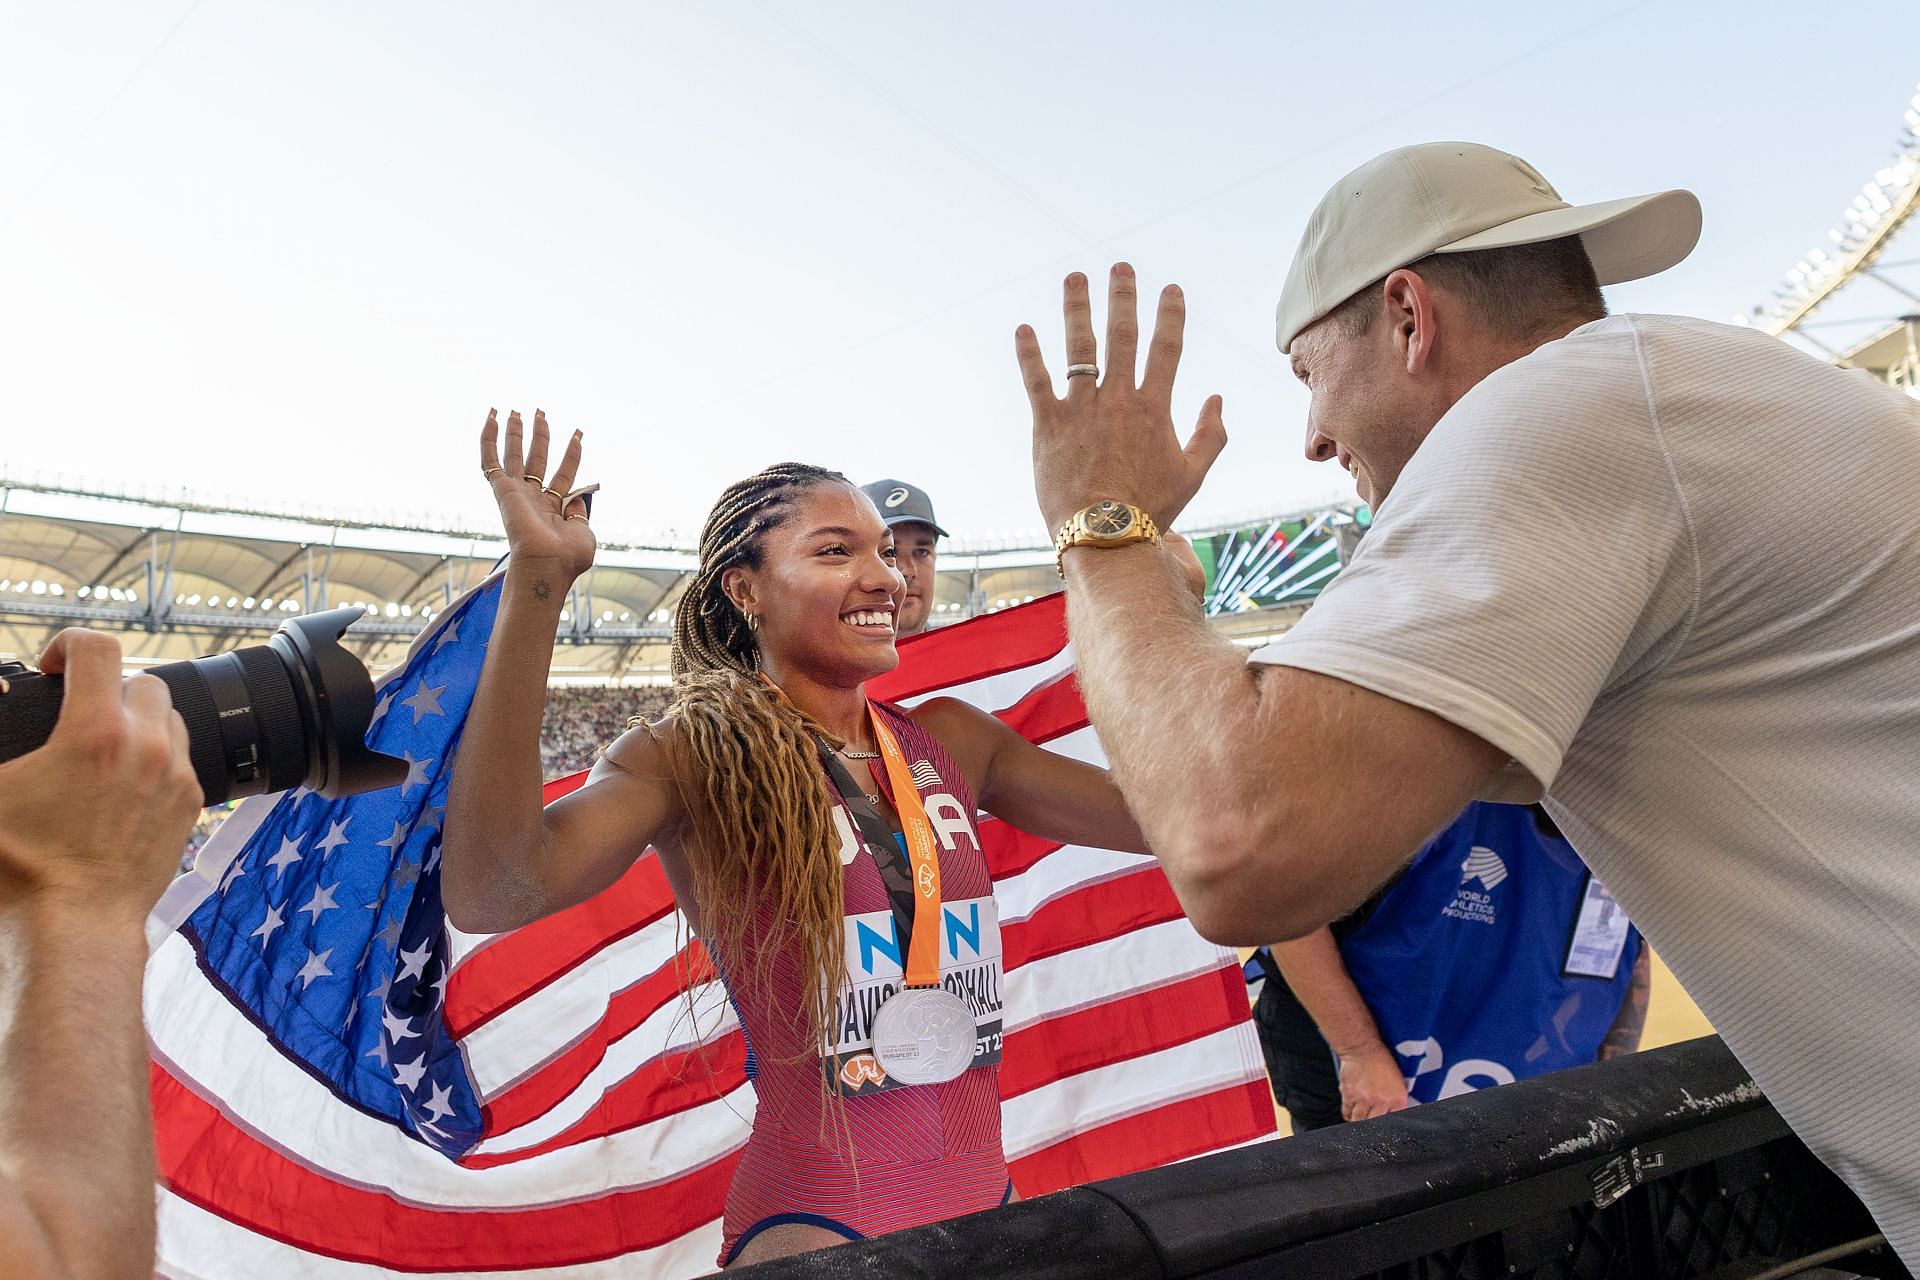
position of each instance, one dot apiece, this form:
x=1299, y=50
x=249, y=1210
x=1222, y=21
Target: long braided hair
x=765, y=847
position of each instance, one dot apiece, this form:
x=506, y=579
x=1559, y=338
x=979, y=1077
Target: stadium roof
x=179, y=580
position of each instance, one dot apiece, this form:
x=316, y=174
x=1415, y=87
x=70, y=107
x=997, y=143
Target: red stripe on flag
x=563, y=786
x=1009, y=850
x=1103, y=1034
x=1223, y=1118
x=548, y=1084
x=515, y=965
x=1091, y=913
x=208, y=1160
x=669, y=1084
x=989, y=645
x=1051, y=709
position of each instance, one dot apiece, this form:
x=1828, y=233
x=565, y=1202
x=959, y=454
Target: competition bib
x=970, y=978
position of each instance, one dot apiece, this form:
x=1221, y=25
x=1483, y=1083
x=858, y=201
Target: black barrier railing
x=1668, y=1163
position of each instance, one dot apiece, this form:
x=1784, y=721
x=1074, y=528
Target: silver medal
x=924, y=1035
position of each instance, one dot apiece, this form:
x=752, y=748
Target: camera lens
x=291, y=712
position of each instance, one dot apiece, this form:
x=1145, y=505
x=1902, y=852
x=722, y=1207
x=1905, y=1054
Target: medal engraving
x=924, y=1035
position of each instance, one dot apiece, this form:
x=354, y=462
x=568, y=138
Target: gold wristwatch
x=1104, y=524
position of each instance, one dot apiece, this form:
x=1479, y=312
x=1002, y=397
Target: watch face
x=1109, y=519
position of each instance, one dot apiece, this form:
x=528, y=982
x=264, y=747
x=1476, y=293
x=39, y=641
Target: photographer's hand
x=98, y=816
x=92, y=825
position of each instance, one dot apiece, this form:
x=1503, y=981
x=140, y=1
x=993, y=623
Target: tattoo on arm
x=1631, y=1022
x=541, y=590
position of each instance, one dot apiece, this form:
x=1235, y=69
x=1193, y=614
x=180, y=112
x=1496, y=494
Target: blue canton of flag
x=327, y=927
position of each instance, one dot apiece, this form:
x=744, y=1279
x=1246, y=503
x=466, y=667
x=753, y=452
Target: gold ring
x=552, y=492
x=488, y=473
x=576, y=517
x=539, y=480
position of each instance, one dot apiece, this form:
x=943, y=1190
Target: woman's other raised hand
x=541, y=523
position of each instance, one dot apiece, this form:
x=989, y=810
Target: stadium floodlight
x=39, y=587
x=84, y=592
x=1867, y=225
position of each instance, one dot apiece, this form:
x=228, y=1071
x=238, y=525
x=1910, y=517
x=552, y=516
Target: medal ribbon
x=922, y=923
x=923, y=953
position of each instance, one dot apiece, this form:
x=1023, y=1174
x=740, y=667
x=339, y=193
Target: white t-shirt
x=1672, y=568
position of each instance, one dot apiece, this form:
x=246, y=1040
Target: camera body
x=291, y=712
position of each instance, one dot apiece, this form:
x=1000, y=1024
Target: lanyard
x=913, y=890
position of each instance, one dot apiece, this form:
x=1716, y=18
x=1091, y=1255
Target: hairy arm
x=91, y=829
x=1275, y=798
x=76, y=1143
x=1036, y=790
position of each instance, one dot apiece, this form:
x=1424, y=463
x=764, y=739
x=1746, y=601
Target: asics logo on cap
x=1533, y=175
x=895, y=498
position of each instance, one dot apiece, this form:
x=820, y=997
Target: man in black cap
x=909, y=513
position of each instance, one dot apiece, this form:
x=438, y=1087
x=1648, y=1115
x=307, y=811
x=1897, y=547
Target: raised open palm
x=541, y=522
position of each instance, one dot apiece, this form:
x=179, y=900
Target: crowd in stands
x=580, y=721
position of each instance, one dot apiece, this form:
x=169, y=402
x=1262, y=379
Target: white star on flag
x=315, y=967
x=321, y=901
x=450, y=636
x=416, y=773
x=439, y=1106
x=394, y=841
x=265, y=932
x=413, y=964
x=288, y=855
x=409, y=1073
x=335, y=837
x=398, y=1028
x=425, y=701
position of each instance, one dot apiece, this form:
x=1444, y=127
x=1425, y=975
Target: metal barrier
x=1668, y=1163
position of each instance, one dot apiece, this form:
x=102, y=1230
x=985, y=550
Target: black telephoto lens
x=291, y=712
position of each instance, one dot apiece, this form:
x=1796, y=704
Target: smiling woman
x=822, y=846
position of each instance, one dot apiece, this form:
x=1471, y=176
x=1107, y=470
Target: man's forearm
x=1162, y=688
x=1319, y=980
x=76, y=1134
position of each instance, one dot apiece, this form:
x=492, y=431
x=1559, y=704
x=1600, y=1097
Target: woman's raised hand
x=541, y=524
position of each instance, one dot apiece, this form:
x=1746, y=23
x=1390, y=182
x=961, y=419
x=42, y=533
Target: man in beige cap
x=1577, y=583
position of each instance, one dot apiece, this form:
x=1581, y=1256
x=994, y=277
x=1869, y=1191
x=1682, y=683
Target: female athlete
x=822, y=846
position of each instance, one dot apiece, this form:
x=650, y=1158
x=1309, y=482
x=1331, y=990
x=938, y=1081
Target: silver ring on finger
x=1083, y=370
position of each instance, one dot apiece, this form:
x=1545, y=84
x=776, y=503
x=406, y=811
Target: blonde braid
x=765, y=847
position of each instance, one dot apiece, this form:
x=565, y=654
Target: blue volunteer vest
x=1493, y=957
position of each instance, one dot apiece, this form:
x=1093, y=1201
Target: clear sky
x=290, y=254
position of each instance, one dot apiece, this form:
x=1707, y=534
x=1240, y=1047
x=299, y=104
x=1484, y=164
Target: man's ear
x=1413, y=318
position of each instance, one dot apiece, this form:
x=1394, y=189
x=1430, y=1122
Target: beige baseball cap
x=1449, y=197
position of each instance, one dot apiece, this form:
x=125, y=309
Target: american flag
x=343, y=1086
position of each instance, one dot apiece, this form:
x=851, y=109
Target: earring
x=753, y=622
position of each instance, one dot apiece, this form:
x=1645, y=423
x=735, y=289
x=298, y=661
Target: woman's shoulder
x=645, y=750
